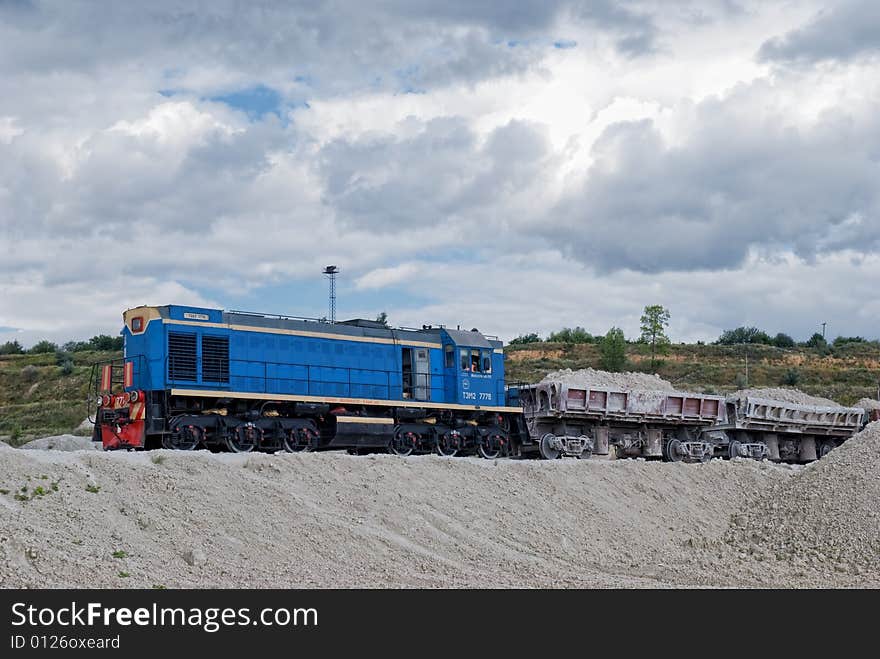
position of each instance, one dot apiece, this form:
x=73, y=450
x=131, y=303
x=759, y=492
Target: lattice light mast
x=330, y=272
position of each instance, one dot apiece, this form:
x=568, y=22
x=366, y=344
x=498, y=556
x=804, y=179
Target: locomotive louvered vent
x=215, y=359
x=181, y=356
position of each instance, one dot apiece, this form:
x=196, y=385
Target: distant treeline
x=99, y=342
x=740, y=335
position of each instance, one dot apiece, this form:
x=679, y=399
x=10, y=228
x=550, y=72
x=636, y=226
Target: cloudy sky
x=515, y=166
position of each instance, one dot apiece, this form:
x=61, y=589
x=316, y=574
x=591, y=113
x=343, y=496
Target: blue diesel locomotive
x=204, y=378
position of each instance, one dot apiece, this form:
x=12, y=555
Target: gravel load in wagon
x=786, y=425
x=615, y=414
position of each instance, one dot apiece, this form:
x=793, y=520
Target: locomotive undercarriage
x=246, y=426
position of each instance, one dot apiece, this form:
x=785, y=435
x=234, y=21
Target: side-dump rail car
x=790, y=432
x=573, y=420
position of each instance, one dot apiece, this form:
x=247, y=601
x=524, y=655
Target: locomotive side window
x=465, y=359
x=449, y=356
x=475, y=361
x=487, y=361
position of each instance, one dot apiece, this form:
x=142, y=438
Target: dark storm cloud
x=844, y=30
x=733, y=185
x=439, y=171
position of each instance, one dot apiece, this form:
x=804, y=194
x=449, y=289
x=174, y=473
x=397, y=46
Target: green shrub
x=43, y=347
x=29, y=373
x=791, y=377
x=613, y=350
x=11, y=348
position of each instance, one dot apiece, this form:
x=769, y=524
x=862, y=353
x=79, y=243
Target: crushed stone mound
x=61, y=443
x=786, y=396
x=869, y=404
x=589, y=377
x=201, y=520
x=825, y=517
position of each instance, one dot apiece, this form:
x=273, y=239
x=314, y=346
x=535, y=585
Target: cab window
x=465, y=359
x=487, y=361
x=449, y=356
x=475, y=361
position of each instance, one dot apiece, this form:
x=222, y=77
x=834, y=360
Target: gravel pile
x=824, y=520
x=589, y=377
x=332, y=520
x=786, y=396
x=62, y=443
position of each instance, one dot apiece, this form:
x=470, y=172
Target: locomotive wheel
x=242, y=439
x=449, y=443
x=403, y=443
x=186, y=438
x=674, y=451
x=490, y=445
x=733, y=449
x=546, y=449
x=298, y=440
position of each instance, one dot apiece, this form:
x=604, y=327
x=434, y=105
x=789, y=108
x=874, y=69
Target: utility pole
x=330, y=272
x=823, y=329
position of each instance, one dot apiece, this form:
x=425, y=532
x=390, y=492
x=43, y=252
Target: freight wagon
x=763, y=428
x=576, y=421
x=566, y=420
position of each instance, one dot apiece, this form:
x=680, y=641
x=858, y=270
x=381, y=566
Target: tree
x=783, y=341
x=382, y=318
x=523, y=339
x=42, y=347
x=744, y=335
x=104, y=342
x=654, y=321
x=817, y=341
x=569, y=335
x=842, y=340
x=11, y=348
x=613, y=350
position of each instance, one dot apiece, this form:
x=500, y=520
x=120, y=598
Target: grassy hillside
x=37, y=397
x=844, y=374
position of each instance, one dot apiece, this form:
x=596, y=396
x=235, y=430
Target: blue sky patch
x=255, y=101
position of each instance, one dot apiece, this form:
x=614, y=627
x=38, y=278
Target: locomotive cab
x=474, y=368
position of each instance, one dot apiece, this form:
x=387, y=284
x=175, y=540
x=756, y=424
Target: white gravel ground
x=334, y=520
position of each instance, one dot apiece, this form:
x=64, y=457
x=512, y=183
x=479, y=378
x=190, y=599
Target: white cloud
x=443, y=151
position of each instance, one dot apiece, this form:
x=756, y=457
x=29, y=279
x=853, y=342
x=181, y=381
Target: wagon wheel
x=449, y=443
x=243, y=438
x=184, y=438
x=826, y=448
x=403, y=443
x=733, y=449
x=674, y=450
x=545, y=447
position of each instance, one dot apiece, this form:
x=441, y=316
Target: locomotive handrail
x=410, y=381
x=140, y=366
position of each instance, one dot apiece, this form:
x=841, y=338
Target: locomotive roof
x=357, y=327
